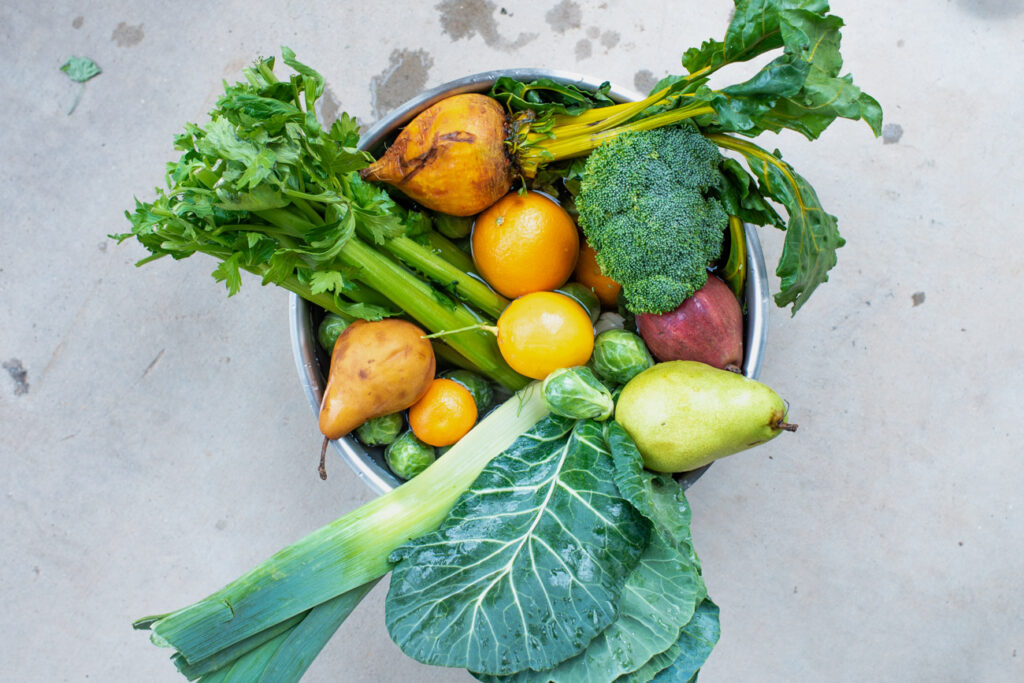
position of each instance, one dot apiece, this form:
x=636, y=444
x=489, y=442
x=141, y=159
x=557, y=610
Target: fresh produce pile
x=540, y=242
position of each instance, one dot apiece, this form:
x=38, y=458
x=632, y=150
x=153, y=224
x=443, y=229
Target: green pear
x=684, y=414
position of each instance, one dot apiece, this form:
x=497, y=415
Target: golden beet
x=377, y=368
x=452, y=157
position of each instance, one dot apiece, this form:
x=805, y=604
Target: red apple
x=707, y=327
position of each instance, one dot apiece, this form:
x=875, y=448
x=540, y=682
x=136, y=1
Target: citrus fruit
x=589, y=273
x=525, y=243
x=543, y=331
x=444, y=414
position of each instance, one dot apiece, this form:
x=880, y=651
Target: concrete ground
x=155, y=442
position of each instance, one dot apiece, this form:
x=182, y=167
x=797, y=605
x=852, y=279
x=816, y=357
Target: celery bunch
x=264, y=188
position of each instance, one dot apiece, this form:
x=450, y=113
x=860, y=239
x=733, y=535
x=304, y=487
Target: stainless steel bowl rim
x=304, y=338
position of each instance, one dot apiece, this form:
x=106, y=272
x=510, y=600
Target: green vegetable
x=734, y=270
x=407, y=456
x=455, y=227
x=480, y=388
x=575, y=392
x=802, y=89
x=696, y=640
x=619, y=356
x=265, y=189
x=659, y=599
x=329, y=329
x=347, y=554
x=585, y=296
x=81, y=69
x=520, y=578
x=648, y=204
x=381, y=431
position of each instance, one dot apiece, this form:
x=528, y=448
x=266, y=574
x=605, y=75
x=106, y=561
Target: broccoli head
x=648, y=205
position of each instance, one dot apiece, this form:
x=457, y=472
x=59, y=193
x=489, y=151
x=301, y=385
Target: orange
x=444, y=414
x=525, y=243
x=589, y=273
x=543, y=331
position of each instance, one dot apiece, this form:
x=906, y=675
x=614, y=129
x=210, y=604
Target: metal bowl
x=313, y=363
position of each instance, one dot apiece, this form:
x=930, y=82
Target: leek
x=345, y=555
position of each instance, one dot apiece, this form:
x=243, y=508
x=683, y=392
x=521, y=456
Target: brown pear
x=377, y=368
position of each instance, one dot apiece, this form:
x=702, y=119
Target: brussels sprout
x=585, y=296
x=577, y=393
x=453, y=227
x=407, y=456
x=480, y=388
x=620, y=355
x=380, y=431
x=330, y=329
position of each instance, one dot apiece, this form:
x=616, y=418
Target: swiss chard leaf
x=825, y=94
x=742, y=198
x=812, y=234
x=754, y=30
x=801, y=90
x=530, y=564
x=547, y=96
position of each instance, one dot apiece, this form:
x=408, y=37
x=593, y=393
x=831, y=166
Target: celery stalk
x=450, y=252
x=466, y=287
x=420, y=301
x=349, y=552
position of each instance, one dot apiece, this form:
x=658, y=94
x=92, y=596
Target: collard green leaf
x=81, y=69
x=660, y=595
x=696, y=641
x=530, y=564
x=658, y=600
x=652, y=667
x=658, y=497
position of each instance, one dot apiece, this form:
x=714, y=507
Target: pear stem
x=785, y=426
x=323, y=460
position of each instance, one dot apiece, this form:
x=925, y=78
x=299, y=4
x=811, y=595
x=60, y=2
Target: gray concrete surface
x=158, y=443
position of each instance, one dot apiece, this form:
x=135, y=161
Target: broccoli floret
x=648, y=205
